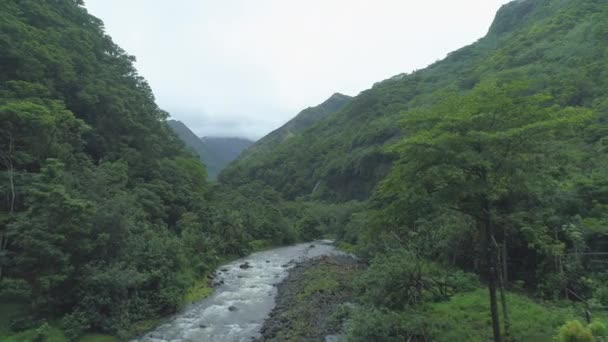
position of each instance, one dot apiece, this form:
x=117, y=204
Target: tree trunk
x=504, y=259
x=494, y=305
x=491, y=261
x=11, y=210
x=503, y=298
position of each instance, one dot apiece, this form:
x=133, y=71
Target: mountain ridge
x=215, y=152
x=299, y=123
x=345, y=155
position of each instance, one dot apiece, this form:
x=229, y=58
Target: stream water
x=243, y=300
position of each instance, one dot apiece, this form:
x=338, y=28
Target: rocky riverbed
x=243, y=299
x=311, y=299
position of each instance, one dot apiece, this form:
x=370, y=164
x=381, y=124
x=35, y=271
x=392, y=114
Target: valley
x=464, y=201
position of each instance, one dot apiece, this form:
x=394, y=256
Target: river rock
x=245, y=265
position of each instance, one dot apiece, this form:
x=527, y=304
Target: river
x=237, y=309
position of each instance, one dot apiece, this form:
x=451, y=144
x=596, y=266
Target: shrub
x=259, y=245
x=14, y=289
x=75, y=324
x=598, y=329
x=402, y=279
x=574, y=331
x=461, y=281
x=309, y=229
x=601, y=295
x=42, y=332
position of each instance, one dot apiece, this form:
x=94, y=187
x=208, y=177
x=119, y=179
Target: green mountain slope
x=227, y=148
x=215, y=152
x=195, y=144
x=301, y=122
x=559, y=46
x=105, y=221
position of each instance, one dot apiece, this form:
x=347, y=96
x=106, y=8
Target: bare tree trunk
x=503, y=296
x=8, y=161
x=491, y=260
x=494, y=305
x=504, y=258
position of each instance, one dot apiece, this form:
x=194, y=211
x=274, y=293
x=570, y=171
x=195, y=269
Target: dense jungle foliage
x=492, y=162
x=105, y=220
x=485, y=170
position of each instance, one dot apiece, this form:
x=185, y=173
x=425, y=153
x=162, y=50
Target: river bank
x=311, y=300
x=243, y=298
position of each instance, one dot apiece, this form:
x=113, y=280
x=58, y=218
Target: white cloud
x=240, y=67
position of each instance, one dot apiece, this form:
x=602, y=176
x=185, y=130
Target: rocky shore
x=310, y=300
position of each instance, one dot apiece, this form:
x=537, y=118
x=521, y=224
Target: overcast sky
x=245, y=67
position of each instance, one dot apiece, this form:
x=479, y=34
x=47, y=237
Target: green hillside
x=107, y=222
x=226, y=148
x=294, y=127
x=485, y=169
x=557, y=47
x=474, y=192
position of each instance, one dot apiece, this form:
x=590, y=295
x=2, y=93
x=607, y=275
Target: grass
x=318, y=280
x=260, y=245
x=51, y=334
x=199, y=290
x=466, y=318
x=347, y=247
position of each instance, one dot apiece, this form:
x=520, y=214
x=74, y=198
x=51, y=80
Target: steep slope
x=195, y=144
x=558, y=46
x=301, y=122
x=226, y=149
x=104, y=218
x=215, y=152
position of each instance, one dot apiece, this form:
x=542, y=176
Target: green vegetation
x=200, y=290
x=575, y=331
x=489, y=164
x=301, y=122
x=106, y=221
x=313, y=303
x=463, y=318
x=486, y=169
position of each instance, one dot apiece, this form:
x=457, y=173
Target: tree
x=31, y=132
x=53, y=238
x=482, y=155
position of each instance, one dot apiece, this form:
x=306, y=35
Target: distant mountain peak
x=215, y=152
x=338, y=96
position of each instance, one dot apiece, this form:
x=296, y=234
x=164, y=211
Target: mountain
x=194, y=143
x=215, y=152
x=301, y=122
x=105, y=220
x=555, y=46
x=487, y=168
x=226, y=149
